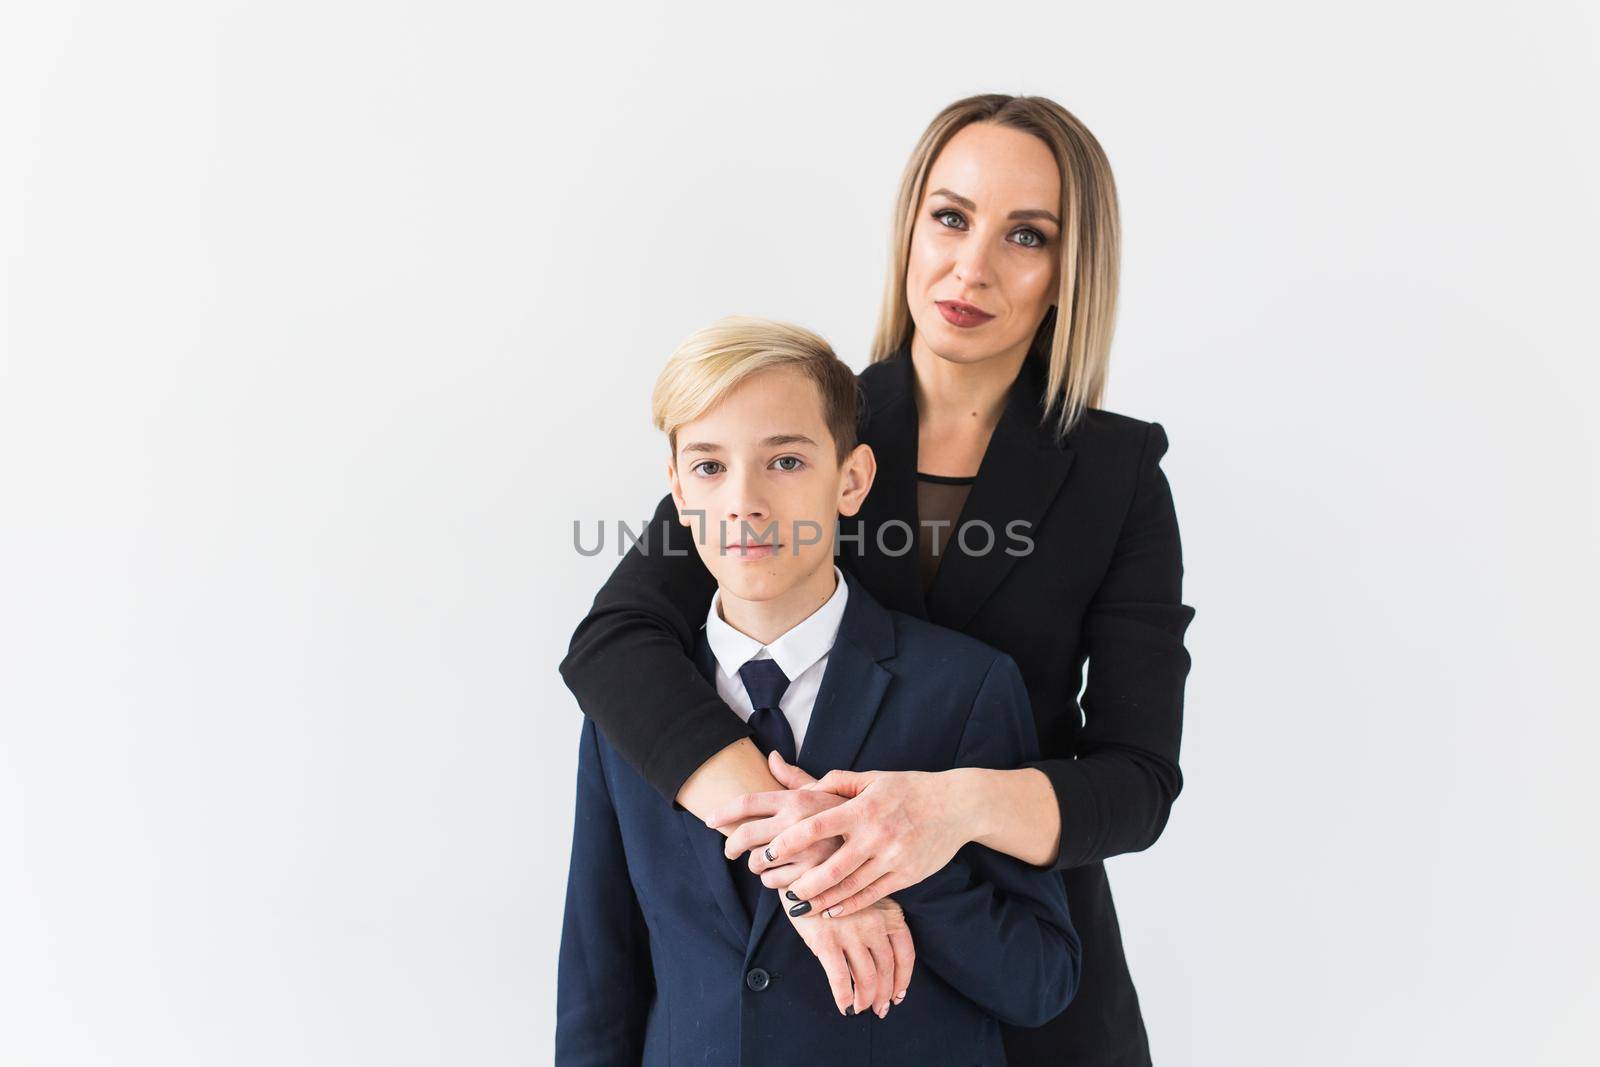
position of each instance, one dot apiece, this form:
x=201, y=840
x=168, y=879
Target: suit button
x=757, y=979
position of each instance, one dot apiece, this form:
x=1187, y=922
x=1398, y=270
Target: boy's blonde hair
x=712, y=360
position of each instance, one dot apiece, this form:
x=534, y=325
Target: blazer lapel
x=884, y=551
x=1022, y=471
x=707, y=844
x=852, y=689
x=1021, y=474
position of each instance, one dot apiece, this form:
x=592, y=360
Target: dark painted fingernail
x=790, y=894
x=800, y=908
x=851, y=1010
x=770, y=857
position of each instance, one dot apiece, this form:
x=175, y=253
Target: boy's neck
x=768, y=620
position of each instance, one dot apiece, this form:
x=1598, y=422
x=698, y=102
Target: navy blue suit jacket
x=660, y=962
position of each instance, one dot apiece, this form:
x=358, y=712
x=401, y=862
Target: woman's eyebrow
x=1034, y=213
x=1021, y=214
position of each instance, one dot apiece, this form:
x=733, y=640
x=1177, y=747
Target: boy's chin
x=760, y=580
x=756, y=582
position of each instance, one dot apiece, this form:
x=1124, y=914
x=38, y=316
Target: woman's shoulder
x=1116, y=451
x=884, y=379
x=1110, y=434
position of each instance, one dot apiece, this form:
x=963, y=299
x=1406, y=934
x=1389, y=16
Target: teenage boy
x=670, y=954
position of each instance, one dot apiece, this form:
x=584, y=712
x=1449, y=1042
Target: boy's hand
x=868, y=956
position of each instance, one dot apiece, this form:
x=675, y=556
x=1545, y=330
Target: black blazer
x=1103, y=583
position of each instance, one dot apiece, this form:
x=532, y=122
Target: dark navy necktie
x=766, y=683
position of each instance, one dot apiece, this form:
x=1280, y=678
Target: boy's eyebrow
x=767, y=442
x=1025, y=213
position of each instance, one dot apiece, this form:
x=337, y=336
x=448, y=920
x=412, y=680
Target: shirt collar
x=796, y=650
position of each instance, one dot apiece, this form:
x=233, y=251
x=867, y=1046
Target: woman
x=1059, y=545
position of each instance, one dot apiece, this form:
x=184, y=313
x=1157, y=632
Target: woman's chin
x=961, y=345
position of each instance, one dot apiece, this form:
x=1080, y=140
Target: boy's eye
x=785, y=463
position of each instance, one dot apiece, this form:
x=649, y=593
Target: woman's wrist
x=972, y=798
x=1013, y=811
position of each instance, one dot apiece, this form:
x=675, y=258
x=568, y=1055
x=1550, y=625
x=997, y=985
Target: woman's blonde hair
x=712, y=360
x=1079, y=342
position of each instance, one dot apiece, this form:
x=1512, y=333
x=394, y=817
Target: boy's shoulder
x=938, y=654
x=920, y=646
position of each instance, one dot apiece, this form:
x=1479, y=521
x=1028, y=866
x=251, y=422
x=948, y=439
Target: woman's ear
x=855, y=482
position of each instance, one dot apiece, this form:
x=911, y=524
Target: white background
x=322, y=322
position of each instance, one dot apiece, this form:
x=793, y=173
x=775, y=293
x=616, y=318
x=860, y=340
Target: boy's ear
x=855, y=479
x=677, y=492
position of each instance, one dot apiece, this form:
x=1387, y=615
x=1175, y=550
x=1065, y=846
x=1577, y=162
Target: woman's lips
x=751, y=551
x=964, y=315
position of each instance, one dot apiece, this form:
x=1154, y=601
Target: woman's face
x=985, y=247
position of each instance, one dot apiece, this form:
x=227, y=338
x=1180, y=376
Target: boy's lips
x=752, y=550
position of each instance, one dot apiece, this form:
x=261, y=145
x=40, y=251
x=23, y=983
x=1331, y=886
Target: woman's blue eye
x=1034, y=239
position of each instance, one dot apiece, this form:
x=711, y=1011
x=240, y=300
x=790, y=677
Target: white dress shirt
x=801, y=653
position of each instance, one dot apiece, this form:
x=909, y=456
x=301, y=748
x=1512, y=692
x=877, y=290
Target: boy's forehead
x=761, y=410
x=701, y=439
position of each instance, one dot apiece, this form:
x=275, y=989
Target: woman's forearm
x=1015, y=812
x=737, y=769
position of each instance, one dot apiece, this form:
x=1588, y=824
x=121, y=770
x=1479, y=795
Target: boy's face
x=763, y=468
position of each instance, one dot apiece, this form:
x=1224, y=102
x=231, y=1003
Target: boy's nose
x=750, y=527
x=748, y=501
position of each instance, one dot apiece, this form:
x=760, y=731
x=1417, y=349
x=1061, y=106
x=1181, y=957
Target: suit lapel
x=707, y=844
x=852, y=690
x=853, y=685
x=1021, y=474
x=885, y=550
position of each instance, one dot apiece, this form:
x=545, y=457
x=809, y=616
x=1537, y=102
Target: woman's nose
x=972, y=264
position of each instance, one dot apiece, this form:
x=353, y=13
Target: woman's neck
x=953, y=395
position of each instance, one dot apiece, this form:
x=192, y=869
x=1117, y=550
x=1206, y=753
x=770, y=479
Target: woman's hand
x=768, y=814
x=898, y=828
x=771, y=813
x=872, y=948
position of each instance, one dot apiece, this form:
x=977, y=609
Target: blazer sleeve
x=1116, y=795
x=639, y=638
x=994, y=928
x=605, y=981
